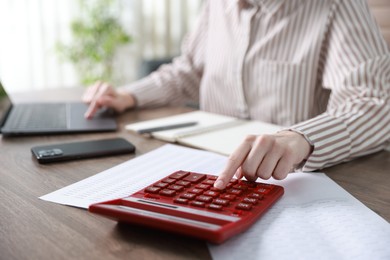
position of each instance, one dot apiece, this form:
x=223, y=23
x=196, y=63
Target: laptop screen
x=5, y=105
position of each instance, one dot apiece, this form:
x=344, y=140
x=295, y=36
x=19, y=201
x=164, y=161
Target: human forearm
x=172, y=83
x=357, y=120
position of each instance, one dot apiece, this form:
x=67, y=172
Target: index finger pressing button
x=233, y=164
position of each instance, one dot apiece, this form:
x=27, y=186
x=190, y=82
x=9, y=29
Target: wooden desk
x=34, y=229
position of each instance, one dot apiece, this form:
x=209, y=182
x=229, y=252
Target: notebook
x=212, y=132
x=49, y=118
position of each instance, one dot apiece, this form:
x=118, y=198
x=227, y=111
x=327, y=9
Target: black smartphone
x=81, y=150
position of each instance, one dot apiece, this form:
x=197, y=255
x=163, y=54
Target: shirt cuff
x=145, y=92
x=330, y=139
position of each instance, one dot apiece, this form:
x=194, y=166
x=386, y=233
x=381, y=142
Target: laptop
x=49, y=118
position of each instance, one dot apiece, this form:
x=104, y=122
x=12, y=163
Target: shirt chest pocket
x=282, y=89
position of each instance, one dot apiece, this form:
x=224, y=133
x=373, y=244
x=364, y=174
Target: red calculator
x=187, y=203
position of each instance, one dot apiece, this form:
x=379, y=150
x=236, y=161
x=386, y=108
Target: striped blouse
x=317, y=67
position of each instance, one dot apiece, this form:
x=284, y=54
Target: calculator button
x=211, y=193
x=189, y=196
x=240, y=187
x=196, y=191
x=263, y=190
x=221, y=202
x=256, y=196
x=195, y=177
x=184, y=183
x=235, y=191
x=244, y=206
x=209, y=182
x=204, y=198
x=152, y=189
x=213, y=178
x=215, y=207
x=198, y=204
x=167, y=192
x=176, y=187
x=202, y=186
x=169, y=180
x=228, y=196
x=178, y=175
x=161, y=184
x=181, y=201
x=250, y=201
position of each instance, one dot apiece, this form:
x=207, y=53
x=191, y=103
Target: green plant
x=96, y=36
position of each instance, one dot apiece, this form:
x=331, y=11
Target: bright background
x=30, y=29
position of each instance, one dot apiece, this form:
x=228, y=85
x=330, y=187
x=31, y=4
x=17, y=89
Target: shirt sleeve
x=355, y=63
x=180, y=80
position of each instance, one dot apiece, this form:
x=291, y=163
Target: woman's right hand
x=103, y=95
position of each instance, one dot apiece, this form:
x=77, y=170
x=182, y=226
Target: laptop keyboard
x=38, y=116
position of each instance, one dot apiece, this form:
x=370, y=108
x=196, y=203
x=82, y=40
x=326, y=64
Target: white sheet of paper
x=133, y=175
x=315, y=219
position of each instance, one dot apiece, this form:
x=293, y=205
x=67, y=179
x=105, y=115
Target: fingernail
x=218, y=184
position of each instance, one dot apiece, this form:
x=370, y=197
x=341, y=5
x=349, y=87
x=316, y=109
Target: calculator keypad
x=187, y=203
x=196, y=190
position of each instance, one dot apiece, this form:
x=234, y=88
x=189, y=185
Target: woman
x=319, y=68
